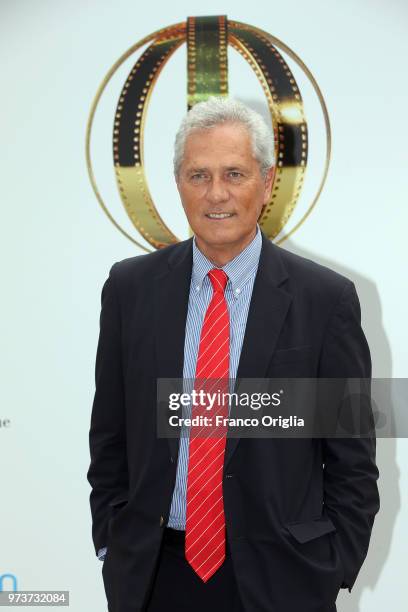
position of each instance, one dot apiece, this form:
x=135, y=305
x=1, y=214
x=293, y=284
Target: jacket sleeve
x=107, y=474
x=350, y=472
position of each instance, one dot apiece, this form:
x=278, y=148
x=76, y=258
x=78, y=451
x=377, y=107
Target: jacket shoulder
x=314, y=279
x=148, y=264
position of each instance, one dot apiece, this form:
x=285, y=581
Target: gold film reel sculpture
x=207, y=41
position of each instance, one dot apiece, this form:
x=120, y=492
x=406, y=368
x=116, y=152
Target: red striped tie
x=205, y=521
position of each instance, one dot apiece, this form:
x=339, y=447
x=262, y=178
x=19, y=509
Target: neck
x=222, y=254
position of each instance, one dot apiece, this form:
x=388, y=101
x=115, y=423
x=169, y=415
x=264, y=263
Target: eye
x=198, y=176
x=235, y=174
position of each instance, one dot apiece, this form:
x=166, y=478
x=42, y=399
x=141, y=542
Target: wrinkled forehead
x=228, y=145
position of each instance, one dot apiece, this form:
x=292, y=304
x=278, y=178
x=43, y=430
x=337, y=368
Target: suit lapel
x=172, y=289
x=267, y=312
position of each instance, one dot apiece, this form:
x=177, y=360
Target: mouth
x=219, y=216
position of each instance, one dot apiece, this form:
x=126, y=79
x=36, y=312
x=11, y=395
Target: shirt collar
x=239, y=270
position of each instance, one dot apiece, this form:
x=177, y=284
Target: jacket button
x=229, y=475
x=161, y=522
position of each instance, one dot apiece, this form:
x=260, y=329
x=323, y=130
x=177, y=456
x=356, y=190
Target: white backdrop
x=58, y=246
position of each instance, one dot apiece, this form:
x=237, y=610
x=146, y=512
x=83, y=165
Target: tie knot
x=218, y=280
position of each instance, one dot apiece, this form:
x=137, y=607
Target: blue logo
x=10, y=577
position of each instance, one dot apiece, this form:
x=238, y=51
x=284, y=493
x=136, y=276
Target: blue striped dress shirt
x=241, y=272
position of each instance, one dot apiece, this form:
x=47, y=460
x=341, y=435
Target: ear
x=178, y=185
x=177, y=179
x=269, y=179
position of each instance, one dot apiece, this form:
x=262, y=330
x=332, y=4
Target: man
x=260, y=524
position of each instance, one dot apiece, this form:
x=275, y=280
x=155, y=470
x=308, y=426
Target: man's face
x=222, y=189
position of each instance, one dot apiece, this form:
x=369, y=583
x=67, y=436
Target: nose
x=217, y=191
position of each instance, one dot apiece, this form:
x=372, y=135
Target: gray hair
x=221, y=109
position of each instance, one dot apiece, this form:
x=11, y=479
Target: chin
x=219, y=237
